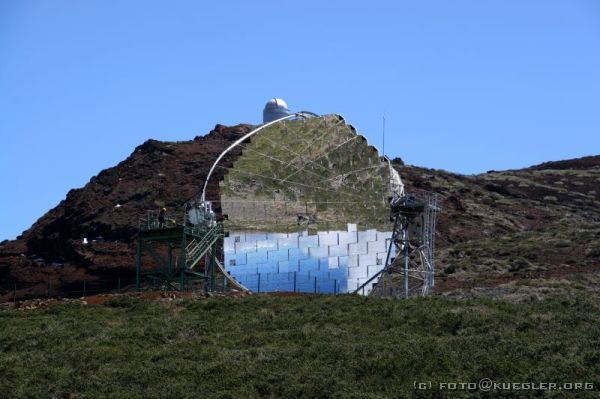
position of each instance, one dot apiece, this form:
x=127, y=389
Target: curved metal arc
x=308, y=113
x=396, y=185
x=232, y=281
x=241, y=140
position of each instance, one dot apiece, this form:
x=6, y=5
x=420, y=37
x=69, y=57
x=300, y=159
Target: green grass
x=523, y=251
x=311, y=346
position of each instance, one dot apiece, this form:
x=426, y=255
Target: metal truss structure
x=410, y=265
x=178, y=254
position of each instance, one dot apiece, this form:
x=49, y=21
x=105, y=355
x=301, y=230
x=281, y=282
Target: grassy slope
x=343, y=346
x=514, y=233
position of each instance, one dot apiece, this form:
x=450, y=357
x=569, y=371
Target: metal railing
x=196, y=251
x=152, y=221
x=12, y=292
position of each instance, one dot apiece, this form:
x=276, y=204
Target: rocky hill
x=517, y=233
x=106, y=211
x=510, y=234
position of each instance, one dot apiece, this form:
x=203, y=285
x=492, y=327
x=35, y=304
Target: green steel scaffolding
x=177, y=251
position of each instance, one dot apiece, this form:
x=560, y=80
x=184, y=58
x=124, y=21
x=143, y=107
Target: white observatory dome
x=274, y=109
x=277, y=102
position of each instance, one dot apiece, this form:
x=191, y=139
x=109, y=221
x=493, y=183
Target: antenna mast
x=383, y=134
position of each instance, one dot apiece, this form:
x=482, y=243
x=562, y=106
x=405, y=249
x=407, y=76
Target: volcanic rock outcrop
x=106, y=212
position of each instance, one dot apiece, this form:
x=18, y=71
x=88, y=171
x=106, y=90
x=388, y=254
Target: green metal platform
x=176, y=251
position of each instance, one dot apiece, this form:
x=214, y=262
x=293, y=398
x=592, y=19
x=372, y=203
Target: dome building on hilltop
x=274, y=109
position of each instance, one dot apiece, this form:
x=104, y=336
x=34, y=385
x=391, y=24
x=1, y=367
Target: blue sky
x=466, y=86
